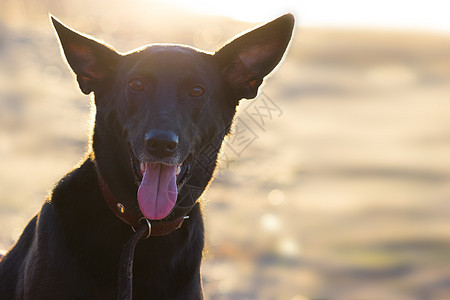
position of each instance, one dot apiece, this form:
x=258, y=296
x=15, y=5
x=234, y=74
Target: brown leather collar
x=133, y=215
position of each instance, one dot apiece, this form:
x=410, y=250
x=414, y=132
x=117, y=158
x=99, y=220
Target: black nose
x=161, y=143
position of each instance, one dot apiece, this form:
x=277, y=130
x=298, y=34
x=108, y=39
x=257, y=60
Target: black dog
x=159, y=112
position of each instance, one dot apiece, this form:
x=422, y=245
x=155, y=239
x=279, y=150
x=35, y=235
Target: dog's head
x=158, y=107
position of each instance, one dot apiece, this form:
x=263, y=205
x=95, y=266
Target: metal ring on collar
x=149, y=226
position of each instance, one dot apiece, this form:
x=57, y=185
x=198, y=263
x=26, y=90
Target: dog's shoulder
x=13, y=263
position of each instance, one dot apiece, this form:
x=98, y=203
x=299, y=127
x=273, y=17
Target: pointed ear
x=92, y=61
x=247, y=59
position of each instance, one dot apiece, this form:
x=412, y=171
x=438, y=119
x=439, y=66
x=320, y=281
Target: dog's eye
x=136, y=85
x=196, y=91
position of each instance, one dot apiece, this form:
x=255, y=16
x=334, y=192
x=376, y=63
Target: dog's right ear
x=92, y=61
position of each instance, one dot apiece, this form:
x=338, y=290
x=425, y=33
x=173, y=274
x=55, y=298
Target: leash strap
x=125, y=284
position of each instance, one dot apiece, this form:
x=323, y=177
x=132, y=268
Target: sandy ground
x=341, y=190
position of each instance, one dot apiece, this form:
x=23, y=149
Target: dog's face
x=172, y=96
x=169, y=101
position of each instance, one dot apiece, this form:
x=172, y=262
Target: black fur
x=71, y=248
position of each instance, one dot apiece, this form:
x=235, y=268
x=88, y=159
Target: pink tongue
x=157, y=193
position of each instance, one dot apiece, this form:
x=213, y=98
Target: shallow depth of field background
x=339, y=188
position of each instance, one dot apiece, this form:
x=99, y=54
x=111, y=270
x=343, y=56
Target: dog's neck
x=132, y=215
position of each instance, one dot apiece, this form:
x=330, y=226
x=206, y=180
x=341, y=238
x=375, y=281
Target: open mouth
x=159, y=184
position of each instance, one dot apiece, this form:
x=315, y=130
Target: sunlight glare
x=249, y=11
x=401, y=14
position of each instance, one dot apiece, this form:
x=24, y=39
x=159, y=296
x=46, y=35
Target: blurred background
x=342, y=188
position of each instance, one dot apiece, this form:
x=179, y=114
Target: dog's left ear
x=92, y=61
x=247, y=59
